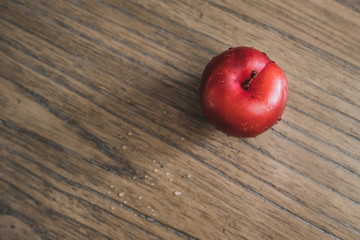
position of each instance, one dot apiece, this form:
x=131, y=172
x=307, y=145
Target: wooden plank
x=101, y=135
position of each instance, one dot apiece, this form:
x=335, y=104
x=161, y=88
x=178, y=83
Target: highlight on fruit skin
x=243, y=93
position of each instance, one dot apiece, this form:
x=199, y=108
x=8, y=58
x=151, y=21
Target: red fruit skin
x=232, y=108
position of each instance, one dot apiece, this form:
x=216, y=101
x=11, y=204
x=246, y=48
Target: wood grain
x=102, y=137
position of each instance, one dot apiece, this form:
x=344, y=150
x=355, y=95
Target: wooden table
x=102, y=136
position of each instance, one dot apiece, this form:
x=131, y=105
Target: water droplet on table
x=177, y=193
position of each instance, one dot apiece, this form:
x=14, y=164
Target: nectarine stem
x=246, y=84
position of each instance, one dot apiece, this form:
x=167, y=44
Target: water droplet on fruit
x=244, y=124
x=264, y=53
x=220, y=81
x=279, y=118
x=230, y=49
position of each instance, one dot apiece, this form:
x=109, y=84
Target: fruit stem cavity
x=247, y=83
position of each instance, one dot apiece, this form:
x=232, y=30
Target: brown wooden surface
x=101, y=130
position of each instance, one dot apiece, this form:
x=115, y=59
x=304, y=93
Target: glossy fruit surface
x=242, y=92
